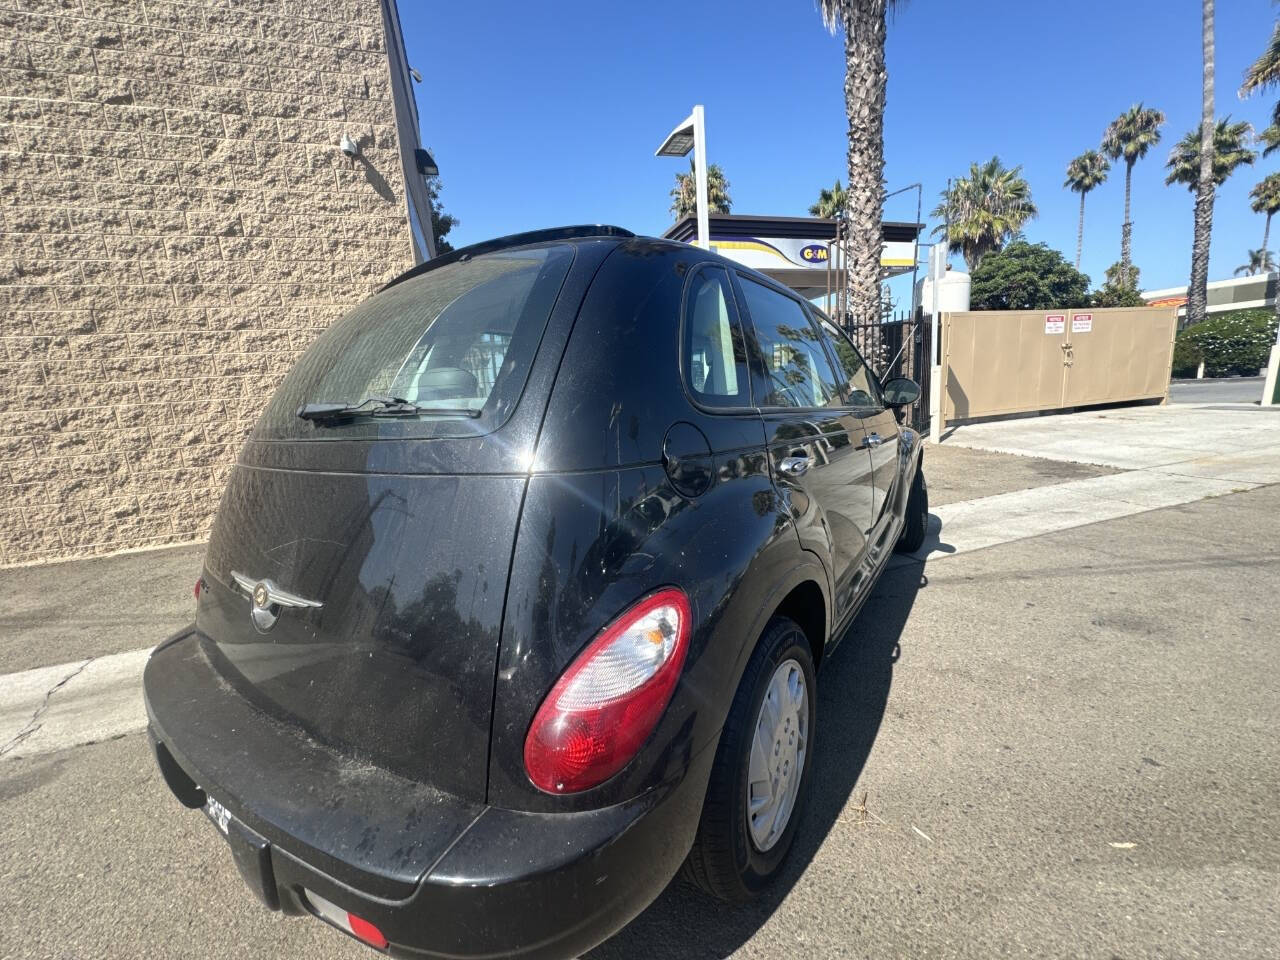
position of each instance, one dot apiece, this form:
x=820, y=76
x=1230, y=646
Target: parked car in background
x=516, y=595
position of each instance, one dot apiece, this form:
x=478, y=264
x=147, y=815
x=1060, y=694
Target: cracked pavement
x=33, y=724
x=56, y=707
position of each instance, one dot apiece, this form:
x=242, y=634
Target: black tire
x=916, y=526
x=724, y=861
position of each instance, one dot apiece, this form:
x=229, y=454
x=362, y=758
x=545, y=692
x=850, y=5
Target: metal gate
x=896, y=345
x=997, y=362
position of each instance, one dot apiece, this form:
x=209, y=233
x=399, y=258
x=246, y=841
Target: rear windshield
x=456, y=342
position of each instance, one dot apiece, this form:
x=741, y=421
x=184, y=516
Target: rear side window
x=796, y=368
x=457, y=341
x=861, y=389
x=715, y=359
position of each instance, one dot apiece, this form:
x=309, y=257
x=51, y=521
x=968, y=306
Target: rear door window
x=715, y=358
x=457, y=342
x=796, y=370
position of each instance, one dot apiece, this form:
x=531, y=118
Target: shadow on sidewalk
x=853, y=689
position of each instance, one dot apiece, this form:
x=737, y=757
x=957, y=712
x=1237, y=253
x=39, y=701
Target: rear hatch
x=376, y=528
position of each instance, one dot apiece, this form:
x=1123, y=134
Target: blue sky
x=548, y=114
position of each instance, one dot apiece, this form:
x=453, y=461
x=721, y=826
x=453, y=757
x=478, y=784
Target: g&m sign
x=791, y=253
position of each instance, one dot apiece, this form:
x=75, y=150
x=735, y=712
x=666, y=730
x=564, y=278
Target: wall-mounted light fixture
x=426, y=163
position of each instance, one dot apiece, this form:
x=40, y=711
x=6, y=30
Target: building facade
x=179, y=222
x=1256, y=292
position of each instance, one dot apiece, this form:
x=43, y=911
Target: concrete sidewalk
x=1224, y=441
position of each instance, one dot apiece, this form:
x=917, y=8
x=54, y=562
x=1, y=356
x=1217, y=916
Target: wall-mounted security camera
x=349, y=146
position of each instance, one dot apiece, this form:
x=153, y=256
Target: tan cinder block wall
x=178, y=224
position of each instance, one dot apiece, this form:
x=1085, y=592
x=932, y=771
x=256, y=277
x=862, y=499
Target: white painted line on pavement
x=990, y=521
x=50, y=708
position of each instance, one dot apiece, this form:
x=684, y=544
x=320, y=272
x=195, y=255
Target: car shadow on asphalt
x=853, y=689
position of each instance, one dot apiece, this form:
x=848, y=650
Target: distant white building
x=1238, y=293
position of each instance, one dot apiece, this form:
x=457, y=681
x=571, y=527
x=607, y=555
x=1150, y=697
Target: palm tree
x=1130, y=136
x=864, y=25
x=1187, y=165
x=684, y=195
x=1259, y=262
x=1198, y=290
x=984, y=209
x=831, y=203
x=1230, y=151
x=1083, y=174
x=1265, y=198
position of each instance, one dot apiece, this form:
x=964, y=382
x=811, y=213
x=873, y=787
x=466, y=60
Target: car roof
x=574, y=233
x=578, y=232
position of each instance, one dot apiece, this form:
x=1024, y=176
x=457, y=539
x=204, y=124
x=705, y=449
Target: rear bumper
x=437, y=875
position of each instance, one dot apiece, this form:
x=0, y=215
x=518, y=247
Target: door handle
x=871, y=440
x=794, y=466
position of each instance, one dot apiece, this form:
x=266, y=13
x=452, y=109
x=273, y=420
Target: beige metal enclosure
x=998, y=362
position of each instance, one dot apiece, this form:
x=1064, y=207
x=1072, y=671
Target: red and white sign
x=1055, y=323
x=1082, y=323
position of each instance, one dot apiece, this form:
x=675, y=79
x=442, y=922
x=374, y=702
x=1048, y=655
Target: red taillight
x=199, y=586
x=601, y=711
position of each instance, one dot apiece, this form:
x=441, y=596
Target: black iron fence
x=898, y=346
x=895, y=345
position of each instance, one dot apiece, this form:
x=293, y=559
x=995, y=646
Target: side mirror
x=900, y=391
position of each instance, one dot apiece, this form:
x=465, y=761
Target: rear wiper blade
x=332, y=411
x=375, y=407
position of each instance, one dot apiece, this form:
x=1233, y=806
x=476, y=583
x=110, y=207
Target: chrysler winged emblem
x=268, y=599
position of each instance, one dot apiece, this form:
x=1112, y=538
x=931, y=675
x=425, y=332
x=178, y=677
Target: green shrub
x=1232, y=344
x=1027, y=276
x=1186, y=357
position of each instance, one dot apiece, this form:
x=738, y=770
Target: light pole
x=691, y=134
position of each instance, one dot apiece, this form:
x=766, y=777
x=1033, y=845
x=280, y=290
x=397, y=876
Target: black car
x=514, y=600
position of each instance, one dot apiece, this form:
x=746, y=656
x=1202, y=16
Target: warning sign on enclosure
x=1055, y=323
x=1082, y=323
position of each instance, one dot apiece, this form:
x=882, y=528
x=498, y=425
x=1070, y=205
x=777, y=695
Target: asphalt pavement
x=57, y=612
x=1220, y=390
x=1053, y=743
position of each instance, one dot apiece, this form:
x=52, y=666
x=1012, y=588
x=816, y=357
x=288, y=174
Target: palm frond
x=1133, y=133
x=1260, y=261
x=838, y=14
x=1230, y=151
x=1265, y=71
x=831, y=202
x=1270, y=139
x=1265, y=195
x=1087, y=171
x=985, y=209
x=684, y=195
